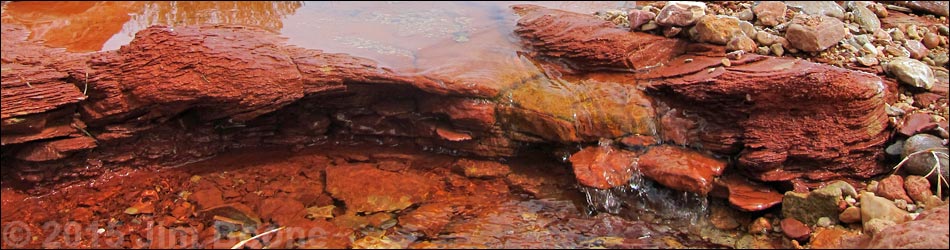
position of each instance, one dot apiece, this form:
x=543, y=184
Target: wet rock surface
x=681, y=169
x=603, y=167
x=746, y=195
x=694, y=78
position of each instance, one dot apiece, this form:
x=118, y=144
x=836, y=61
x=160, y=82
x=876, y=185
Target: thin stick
x=241, y=244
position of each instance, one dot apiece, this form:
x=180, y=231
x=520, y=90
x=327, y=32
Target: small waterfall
x=643, y=199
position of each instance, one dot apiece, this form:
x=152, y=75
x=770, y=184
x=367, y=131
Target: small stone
x=898, y=146
x=940, y=59
x=649, y=26
x=850, y=215
x=814, y=34
x=912, y=32
x=723, y=218
x=837, y=188
x=761, y=225
x=794, y=229
x=819, y=8
x=900, y=203
x=943, y=29
x=748, y=29
x=680, y=13
x=862, y=39
x=671, y=31
x=878, y=10
x=872, y=186
x=931, y=40
x=874, y=226
x=770, y=13
x=865, y=18
x=824, y=222
x=726, y=62
x=867, y=60
x=911, y=72
x=873, y=207
x=922, y=163
x=915, y=122
x=892, y=188
x=638, y=18
x=916, y=49
x=745, y=15
x=896, y=51
x=897, y=35
x=741, y=43
x=717, y=29
x=918, y=188
x=764, y=38
x=777, y=49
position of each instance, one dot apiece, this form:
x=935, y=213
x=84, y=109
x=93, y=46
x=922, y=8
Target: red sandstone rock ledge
x=787, y=119
x=174, y=96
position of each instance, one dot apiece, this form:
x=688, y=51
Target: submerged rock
x=795, y=229
x=482, y=169
x=365, y=188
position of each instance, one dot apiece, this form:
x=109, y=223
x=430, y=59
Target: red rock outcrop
x=587, y=42
x=177, y=95
x=787, y=119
